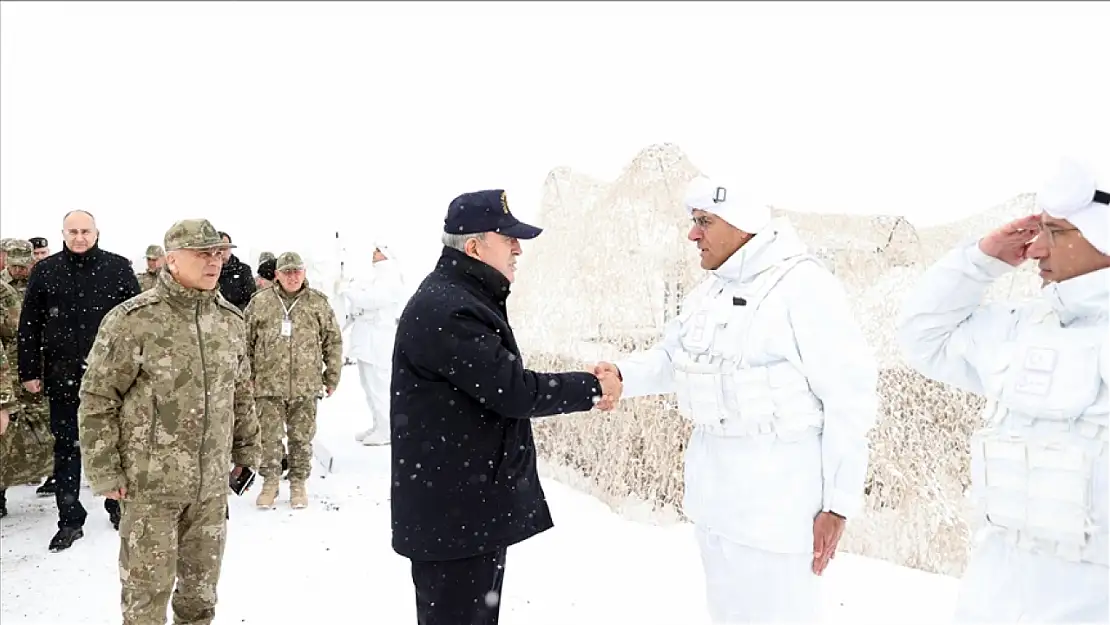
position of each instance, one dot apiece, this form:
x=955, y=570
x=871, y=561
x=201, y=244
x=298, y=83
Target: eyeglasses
x=702, y=222
x=1051, y=233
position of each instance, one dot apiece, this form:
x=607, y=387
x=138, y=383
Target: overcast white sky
x=284, y=121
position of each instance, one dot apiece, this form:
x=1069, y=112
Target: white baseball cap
x=1072, y=193
x=727, y=202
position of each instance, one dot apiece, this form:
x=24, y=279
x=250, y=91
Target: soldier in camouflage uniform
x=166, y=409
x=296, y=352
x=29, y=453
x=155, y=258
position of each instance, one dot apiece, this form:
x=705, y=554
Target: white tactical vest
x=716, y=387
x=1036, y=466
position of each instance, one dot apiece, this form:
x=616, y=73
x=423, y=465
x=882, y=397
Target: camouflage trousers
x=295, y=418
x=27, y=447
x=164, y=542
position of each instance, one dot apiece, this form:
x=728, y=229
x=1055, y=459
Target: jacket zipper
x=204, y=429
x=290, y=337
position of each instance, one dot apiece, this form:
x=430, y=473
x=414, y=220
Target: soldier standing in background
x=32, y=457
x=296, y=351
x=40, y=247
x=155, y=258
x=166, y=408
x=373, y=304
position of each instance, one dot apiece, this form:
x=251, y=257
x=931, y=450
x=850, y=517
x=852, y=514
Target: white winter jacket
x=804, y=364
x=373, y=304
x=1039, y=466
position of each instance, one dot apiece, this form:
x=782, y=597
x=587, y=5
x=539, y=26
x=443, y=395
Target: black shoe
x=48, y=488
x=64, y=538
x=113, y=515
x=3, y=509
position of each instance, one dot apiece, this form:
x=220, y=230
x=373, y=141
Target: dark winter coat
x=464, y=478
x=67, y=296
x=237, y=282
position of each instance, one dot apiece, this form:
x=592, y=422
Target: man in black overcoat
x=464, y=480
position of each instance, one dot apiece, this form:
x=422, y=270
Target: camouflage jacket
x=7, y=382
x=5, y=276
x=147, y=280
x=10, y=303
x=162, y=413
x=11, y=300
x=299, y=365
x=20, y=285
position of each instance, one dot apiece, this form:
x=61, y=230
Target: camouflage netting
x=576, y=304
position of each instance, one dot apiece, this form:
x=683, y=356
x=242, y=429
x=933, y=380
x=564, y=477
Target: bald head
x=79, y=231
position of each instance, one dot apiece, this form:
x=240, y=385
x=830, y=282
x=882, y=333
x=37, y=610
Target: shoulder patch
x=142, y=300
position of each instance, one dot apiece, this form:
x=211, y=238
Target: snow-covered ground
x=332, y=563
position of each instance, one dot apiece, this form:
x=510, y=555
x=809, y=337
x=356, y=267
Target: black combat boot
x=285, y=468
x=3, y=504
x=64, y=538
x=48, y=488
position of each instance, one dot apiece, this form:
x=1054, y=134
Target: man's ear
x=472, y=247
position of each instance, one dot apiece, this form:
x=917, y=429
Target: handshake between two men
x=611, y=385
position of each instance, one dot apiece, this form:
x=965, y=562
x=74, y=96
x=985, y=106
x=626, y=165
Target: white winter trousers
x=1004, y=584
x=748, y=585
x=375, y=384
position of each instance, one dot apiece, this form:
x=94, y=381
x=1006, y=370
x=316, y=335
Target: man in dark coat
x=236, y=278
x=67, y=295
x=464, y=480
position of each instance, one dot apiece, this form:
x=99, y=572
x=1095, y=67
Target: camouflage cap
x=5, y=244
x=193, y=234
x=289, y=261
x=154, y=251
x=20, y=253
x=265, y=256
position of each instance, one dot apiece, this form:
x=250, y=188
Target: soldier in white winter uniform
x=373, y=304
x=1039, y=466
x=768, y=362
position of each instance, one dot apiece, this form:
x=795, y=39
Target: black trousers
x=459, y=592
x=67, y=464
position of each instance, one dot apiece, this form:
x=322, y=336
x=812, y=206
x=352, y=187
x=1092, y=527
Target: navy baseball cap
x=486, y=211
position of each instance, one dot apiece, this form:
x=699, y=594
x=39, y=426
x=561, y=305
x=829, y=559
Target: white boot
x=361, y=436
x=377, y=436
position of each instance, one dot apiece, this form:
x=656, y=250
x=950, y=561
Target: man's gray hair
x=458, y=241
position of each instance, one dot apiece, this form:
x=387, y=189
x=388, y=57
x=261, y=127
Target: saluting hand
x=1010, y=243
x=4, y=419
